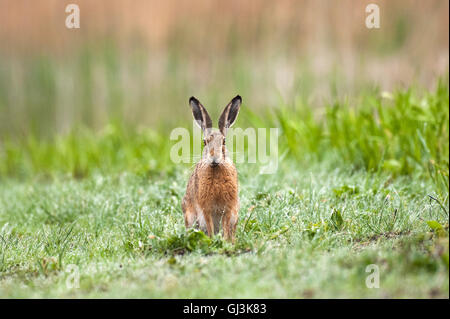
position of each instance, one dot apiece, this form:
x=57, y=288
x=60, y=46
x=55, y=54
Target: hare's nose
x=214, y=162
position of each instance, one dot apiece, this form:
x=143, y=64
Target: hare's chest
x=218, y=189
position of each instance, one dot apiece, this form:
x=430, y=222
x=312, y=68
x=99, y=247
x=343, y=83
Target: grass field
x=366, y=182
x=90, y=200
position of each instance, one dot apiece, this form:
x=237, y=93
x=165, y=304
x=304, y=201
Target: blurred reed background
x=138, y=62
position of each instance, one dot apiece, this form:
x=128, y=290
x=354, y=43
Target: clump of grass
x=192, y=240
x=398, y=133
x=83, y=152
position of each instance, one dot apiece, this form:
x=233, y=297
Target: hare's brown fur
x=212, y=191
x=212, y=197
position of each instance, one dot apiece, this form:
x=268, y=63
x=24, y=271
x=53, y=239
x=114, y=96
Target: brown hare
x=212, y=191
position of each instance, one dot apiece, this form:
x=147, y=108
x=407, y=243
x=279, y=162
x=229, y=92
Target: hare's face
x=214, y=152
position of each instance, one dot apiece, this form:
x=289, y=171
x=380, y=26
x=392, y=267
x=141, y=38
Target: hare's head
x=215, y=152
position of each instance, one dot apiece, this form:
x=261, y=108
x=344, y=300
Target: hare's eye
x=224, y=141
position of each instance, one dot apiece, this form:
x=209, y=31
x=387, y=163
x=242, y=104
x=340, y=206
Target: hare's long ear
x=230, y=114
x=200, y=114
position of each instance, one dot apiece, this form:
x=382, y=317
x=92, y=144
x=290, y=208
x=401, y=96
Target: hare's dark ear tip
x=237, y=98
x=192, y=99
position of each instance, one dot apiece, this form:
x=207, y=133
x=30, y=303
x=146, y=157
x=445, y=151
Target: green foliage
x=336, y=219
x=82, y=152
x=361, y=184
x=192, y=240
x=345, y=190
x=125, y=234
x=437, y=228
x=398, y=133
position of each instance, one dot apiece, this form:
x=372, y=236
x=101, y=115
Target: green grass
x=363, y=183
x=126, y=235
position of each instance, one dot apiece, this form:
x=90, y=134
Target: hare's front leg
x=205, y=221
x=190, y=216
x=229, y=223
x=209, y=223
